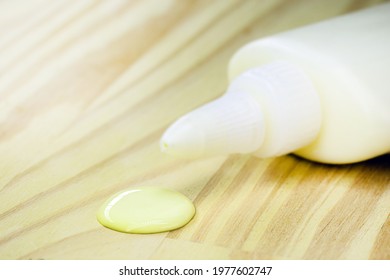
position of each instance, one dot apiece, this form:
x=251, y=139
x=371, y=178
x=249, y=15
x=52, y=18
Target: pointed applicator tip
x=230, y=124
x=182, y=139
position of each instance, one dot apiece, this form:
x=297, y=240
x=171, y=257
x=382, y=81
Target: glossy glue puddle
x=146, y=210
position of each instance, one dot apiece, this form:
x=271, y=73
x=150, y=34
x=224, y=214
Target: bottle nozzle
x=232, y=123
x=183, y=138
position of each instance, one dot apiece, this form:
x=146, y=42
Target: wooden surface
x=88, y=87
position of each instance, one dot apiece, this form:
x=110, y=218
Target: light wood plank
x=88, y=87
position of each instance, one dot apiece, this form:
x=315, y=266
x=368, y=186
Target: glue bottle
x=321, y=92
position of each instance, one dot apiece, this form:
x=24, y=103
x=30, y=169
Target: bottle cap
x=269, y=111
x=232, y=123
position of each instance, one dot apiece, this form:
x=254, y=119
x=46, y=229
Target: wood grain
x=86, y=90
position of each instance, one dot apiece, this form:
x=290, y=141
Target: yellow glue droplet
x=146, y=210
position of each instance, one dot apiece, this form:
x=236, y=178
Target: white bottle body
x=348, y=61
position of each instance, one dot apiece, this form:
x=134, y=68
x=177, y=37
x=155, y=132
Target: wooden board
x=88, y=87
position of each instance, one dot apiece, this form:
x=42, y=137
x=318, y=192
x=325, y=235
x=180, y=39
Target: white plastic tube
x=321, y=91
